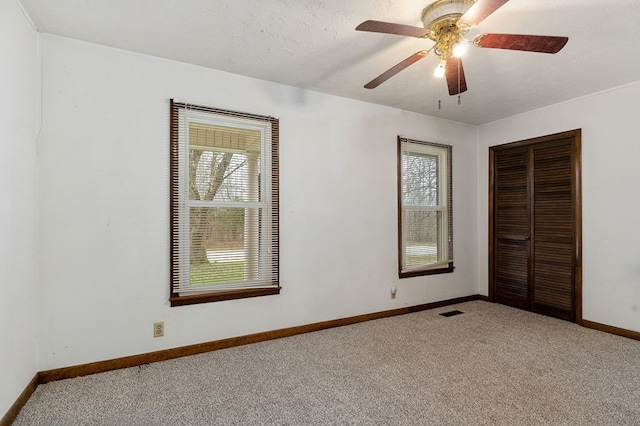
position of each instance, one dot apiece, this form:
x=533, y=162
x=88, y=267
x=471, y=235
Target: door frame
x=576, y=134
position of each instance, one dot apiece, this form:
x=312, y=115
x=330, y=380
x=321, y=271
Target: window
x=425, y=219
x=224, y=205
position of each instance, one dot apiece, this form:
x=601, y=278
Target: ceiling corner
x=31, y=16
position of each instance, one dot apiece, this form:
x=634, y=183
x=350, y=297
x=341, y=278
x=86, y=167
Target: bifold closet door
x=512, y=227
x=553, y=229
x=534, y=206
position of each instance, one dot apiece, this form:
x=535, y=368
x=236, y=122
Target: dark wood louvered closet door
x=553, y=235
x=512, y=225
x=535, y=225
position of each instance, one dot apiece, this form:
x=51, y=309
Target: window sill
x=222, y=296
x=444, y=270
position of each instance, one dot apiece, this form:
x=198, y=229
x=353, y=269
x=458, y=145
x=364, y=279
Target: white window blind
x=224, y=201
x=425, y=208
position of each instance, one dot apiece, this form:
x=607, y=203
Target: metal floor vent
x=451, y=313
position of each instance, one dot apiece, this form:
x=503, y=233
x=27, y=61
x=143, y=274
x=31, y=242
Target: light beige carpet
x=492, y=365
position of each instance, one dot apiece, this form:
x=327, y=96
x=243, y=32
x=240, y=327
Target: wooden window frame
x=447, y=265
x=177, y=299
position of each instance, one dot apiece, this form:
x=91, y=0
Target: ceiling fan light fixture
x=446, y=22
x=440, y=69
x=459, y=48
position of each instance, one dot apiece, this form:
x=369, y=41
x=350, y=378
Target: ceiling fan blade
x=528, y=43
x=395, y=69
x=455, y=76
x=480, y=11
x=391, y=28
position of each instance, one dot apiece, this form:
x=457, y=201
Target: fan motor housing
x=441, y=19
x=444, y=13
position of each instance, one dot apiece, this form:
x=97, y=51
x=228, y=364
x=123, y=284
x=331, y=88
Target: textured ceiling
x=313, y=44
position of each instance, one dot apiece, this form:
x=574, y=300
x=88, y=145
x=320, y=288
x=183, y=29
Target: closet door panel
x=512, y=227
x=553, y=229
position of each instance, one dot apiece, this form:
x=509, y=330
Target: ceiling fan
x=446, y=22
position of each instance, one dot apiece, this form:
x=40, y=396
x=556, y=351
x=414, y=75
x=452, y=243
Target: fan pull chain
x=439, y=104
x=459, y=101
x=458, y=63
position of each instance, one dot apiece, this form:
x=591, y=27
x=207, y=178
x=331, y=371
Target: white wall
x=101, y=209
x=18, y=48
x=104, y=205
x=610, y=196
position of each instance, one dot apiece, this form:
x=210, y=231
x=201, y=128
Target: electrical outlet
x=394, y=292
x=158, y=329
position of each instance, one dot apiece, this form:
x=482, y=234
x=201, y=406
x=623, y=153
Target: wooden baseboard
x=147, y=358
x=11, y=415
x=611, y=329
x=163, y=355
